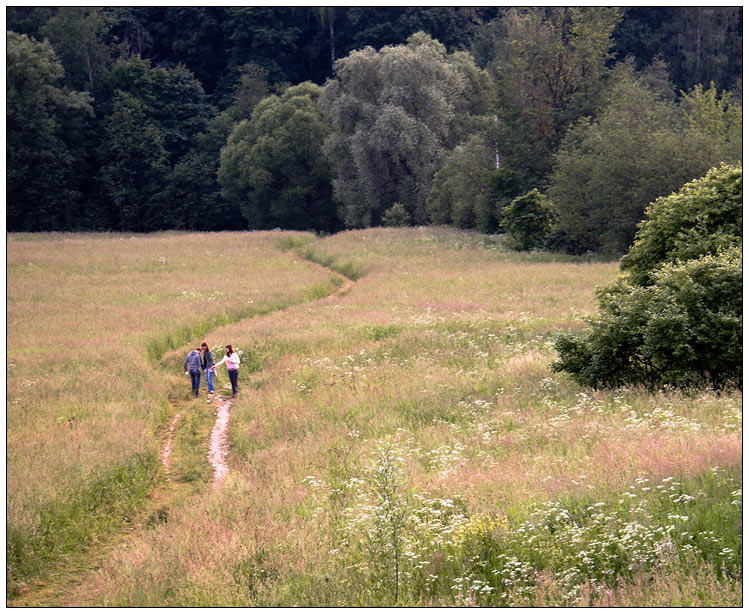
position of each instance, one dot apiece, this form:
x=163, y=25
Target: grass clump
x=347, y=268
x=64, y=526
x=291, y=242
x=189, y=462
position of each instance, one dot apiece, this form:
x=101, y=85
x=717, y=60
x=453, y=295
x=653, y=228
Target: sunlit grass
x=87, y=316
x=440, y=354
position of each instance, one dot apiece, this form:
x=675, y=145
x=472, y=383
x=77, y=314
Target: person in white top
x=232, y=366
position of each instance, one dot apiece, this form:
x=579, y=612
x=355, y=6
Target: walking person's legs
x=233, y=377
x=209, y=380
x=195, y=378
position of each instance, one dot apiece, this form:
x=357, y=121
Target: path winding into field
x=53, y=592
x=219, y=448
x=167, y=451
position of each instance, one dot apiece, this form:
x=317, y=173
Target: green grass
x=64, y=525
x=408, y=436
x=347, y=268
x=189, y=462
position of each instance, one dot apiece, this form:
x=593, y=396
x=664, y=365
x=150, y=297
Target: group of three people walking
x=200, y=360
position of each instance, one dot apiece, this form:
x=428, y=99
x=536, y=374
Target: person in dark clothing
x=193, y=366
x=207, y=362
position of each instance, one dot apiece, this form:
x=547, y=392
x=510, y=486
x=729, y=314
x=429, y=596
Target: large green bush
x=704, y=216
x=527, y=219
x=676, y=318
x=683, y=329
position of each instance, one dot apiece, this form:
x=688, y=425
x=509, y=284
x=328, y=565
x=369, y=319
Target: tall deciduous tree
x=134, y=166
x=460, y=194
x=172, y=98
x=194, y=194
x=706, y=45
x=272, y=166
x=714, y=125
x=79, y=35
x=550, y=70
x=40, y=187
x=395, y=111
x=640, y=147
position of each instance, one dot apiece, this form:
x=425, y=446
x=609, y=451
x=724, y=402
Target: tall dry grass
x=86, y=403
x=434, y=368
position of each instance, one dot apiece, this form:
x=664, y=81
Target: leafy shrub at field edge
x=676, y=318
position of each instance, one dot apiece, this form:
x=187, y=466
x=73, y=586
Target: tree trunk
x=332, y=48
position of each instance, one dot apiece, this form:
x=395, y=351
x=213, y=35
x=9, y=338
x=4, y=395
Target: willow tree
x=395, y=112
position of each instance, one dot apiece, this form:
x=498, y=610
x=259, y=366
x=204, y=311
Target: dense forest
x=218, y=118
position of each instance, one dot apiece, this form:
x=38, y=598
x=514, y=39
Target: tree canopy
x=117, y=116
x=272, y=166
x=395, y=112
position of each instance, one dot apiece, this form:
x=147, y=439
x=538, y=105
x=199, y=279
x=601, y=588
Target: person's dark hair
x=230, y=349
x=204, y=345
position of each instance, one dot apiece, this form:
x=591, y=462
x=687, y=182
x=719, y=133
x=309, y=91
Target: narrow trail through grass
x=52, y=589
x=218, y=450
x=167, y=451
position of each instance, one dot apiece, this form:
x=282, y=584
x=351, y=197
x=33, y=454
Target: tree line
x=211, y=118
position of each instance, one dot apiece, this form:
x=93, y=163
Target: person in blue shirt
x=193, y=366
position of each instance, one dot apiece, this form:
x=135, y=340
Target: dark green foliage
x=41, y=189
x=81, y=37
x=702, y=218
x=677, y=318
x=639, y=148
x=699, y=44
x=527, y=219
x=460, y=194
x=272, y=166
x=193, y=191
x=194, y=195
x=684, y=329
x=188, y=35
x=134, y=166
x=149, y=125
x=396, y=216
x=207, y=61
x=171, y=98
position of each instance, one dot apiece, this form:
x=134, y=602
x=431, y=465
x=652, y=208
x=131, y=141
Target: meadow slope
x=88, y=316
x=404, y=442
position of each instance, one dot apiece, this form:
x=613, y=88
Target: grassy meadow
x=88, y=316
x=402, y=441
